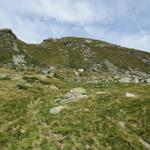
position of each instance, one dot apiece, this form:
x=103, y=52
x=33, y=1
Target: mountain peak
x=7, y=31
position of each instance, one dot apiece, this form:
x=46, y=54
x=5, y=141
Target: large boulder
x=73, y=95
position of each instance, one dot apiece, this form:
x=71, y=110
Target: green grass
x=54, y=52
x=107, y=121
x=92, y=123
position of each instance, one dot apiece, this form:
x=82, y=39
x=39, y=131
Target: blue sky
x=124, y=22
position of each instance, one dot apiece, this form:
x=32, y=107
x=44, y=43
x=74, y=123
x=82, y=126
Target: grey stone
x=111, y=67
x=130, y=94
x=81, y=70
x=48, y=71
x=125, y=80
x=57, y=109
x=147, y=80
x=5, y=77
x=74, y=95
x=53, y=87
x=88, y=41
x=19, y=60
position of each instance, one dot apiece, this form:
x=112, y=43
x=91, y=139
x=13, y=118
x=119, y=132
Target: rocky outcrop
x=72, y=96
x=19, y=60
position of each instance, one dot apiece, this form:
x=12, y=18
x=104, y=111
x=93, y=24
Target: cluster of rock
x=89, y=70
x=96, y=75
x=73, y=95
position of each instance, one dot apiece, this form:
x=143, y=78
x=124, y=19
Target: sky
x=123, y=22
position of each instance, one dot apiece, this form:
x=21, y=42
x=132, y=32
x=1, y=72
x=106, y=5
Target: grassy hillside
x=106, y=119
x=78, y=52
x=66, y=94
x=74, y=52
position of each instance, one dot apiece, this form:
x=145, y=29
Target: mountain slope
x=73, y=94
x=74, y=53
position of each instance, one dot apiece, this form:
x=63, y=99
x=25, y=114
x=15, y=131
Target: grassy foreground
x=104, y=121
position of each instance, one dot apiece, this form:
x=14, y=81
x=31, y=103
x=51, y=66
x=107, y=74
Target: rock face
x=75, y=59
x=7, y=39
x=19, y=60
x=74, y=95
x=110, y=66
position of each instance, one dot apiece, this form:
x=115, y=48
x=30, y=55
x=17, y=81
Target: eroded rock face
x=74, y=95
x=111, y=67
x=19, y=60
x=7, y=39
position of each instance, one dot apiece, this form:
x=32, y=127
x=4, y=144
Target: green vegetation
x=72, y=52
x=107, y=120
x=96, y=112
x=55, y=52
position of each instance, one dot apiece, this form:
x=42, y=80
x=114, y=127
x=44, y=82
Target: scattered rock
x=74, y=95
x=56, y=110
x=130, y=95
x=147, y=80
x=87, y=146
x=81, y=70
x=121, y=124
x=78, y=90
x=96, y=68
x=76, y=73
x=147, y=145
x=4, y=77
x=88, y=41
x=136, y=80
x=53, y=87
x=19, y=60
x=69, y=43
x=101, y=92
x=111, y=67
x=48, y=71
x=125, y=80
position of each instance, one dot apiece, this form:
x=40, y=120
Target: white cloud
x=115, y=21
x=139, y=41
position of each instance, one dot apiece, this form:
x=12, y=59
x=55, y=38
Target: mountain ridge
x=72, y=94
x=73, y=53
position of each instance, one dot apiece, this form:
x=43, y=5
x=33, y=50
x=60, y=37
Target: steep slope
x=10, y=54
x=84, y=53
x=93, y=56
x=64, y=94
